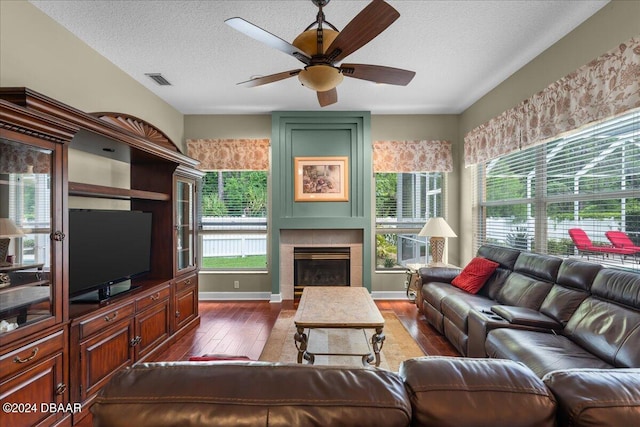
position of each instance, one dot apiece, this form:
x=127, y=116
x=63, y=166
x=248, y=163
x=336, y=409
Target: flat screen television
x=106, y=247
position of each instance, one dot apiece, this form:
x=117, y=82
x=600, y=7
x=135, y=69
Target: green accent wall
x=321, y=134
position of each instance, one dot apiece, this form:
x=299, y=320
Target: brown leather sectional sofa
x=543, y=311
x=562, y=336
x=429, y=391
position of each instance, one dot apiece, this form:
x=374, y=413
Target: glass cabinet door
x=26, y=189
x=185, y=253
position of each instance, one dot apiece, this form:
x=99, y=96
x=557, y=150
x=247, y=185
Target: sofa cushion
x=435, y=292
x=448, y=391
x=506, y=257
x=560, y=303
x=541, y=352
x=571, y=288
x=543, y=267
x=523, y=291
x=251, y=393
x=608, y=330
x=588, y=397
x=577, y=274
x=622, y=287
x=456, y=308
x=475, y=274
x=494, y=285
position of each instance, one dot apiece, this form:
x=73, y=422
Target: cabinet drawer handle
x=135, y=341
x=187, y=282
x=109, y=319
x=61, y=388
x=28, y=359
x=155, y=297
x=177, y=314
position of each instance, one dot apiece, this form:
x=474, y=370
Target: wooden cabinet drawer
x=186, y=306
x=42, y=383
x=153, y=298
x=29, y=355
x=185, y=283
x=103, y=355
x=98, y=323
x=152, y=328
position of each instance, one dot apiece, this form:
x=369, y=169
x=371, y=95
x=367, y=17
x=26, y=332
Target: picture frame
x=321, y=179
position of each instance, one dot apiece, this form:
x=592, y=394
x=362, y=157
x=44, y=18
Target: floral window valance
x=604, y=88
x=230, y=154
x=412, y=156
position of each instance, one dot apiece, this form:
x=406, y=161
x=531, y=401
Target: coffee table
x=338, y=307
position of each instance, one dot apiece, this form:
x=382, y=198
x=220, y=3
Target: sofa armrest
x=480, y=324
x=596, y=397
x=454, y=391
x=526, y=317
x=438, y=274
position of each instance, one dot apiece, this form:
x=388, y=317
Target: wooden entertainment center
x=57, y=353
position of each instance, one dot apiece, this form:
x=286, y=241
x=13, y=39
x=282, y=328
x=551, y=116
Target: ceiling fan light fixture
x=320, y=78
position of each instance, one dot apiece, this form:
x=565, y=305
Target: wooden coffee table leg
x=377, y=341
x=300, y=339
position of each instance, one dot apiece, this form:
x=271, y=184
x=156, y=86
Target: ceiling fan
x=320, y=49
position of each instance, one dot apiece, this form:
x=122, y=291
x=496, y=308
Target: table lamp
x=8, y=229
x=439, y=230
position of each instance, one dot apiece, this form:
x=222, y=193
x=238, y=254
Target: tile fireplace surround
x=290, y=239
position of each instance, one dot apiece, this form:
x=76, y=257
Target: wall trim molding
x=277, y=298
x=234, y=296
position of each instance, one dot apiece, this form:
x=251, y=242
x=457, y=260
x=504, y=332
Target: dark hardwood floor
x=242, y=328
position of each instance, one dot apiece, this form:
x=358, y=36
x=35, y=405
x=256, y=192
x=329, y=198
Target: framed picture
x=321, y=179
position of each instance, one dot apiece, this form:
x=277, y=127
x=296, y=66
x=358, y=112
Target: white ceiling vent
x=157, y=77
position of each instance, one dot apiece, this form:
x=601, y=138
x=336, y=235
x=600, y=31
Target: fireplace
x=318, y=240
x=320, y=266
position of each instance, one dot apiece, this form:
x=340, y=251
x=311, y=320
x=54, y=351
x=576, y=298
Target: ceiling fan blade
x=378, y=73
x=267, y=38
x=327, y=98
x=259, y=81
x=371, y=21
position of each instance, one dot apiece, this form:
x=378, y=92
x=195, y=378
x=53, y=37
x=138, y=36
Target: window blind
x=590, y=180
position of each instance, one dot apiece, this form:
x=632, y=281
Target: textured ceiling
x=460, y=50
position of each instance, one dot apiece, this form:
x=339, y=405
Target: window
x=26, y=191
x=404, y=202
x=589, y=180
x=234, y=220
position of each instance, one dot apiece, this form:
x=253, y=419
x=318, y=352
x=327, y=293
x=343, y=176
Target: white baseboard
x=234, y=296
x=277, y=298
x=389, y=295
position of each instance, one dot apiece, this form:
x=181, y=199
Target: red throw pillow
x=212, y=357
x=473, y=277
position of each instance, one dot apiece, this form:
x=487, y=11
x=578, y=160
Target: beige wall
x=38, y=53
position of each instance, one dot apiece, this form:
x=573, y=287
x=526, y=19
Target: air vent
x=157, y=77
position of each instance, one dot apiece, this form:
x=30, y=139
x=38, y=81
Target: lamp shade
x=437, y=227
x=8, y=228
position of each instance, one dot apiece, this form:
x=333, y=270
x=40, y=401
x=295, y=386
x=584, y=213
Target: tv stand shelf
x=101, y=191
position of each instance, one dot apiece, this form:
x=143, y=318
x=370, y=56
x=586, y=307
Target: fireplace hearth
x=318, y=266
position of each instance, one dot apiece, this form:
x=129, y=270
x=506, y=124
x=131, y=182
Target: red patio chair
x=585, y=246
x=620, y=239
